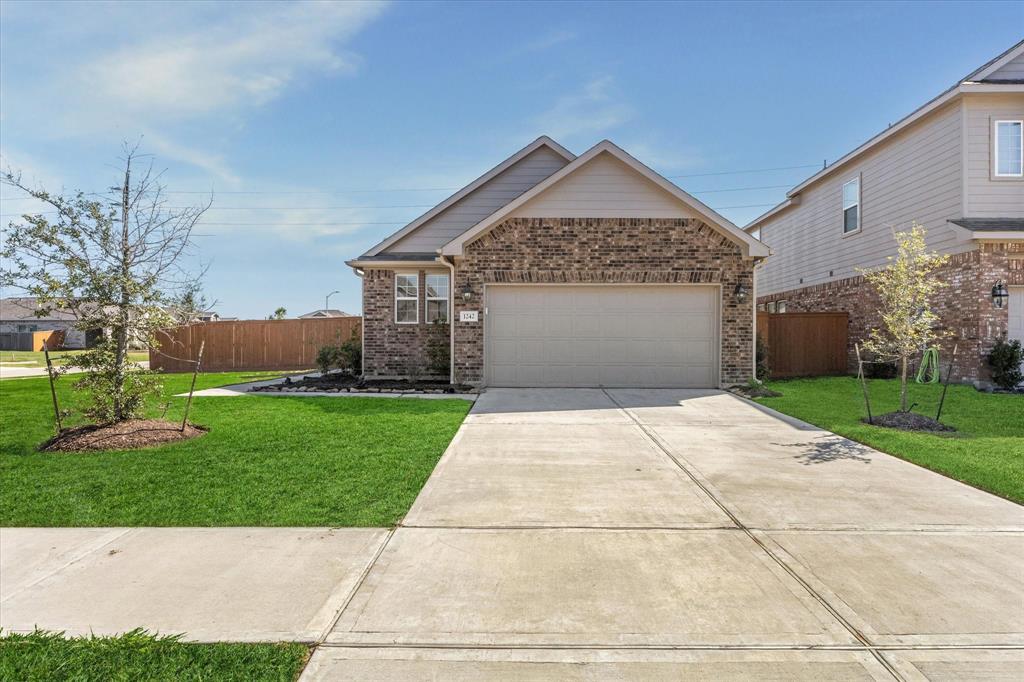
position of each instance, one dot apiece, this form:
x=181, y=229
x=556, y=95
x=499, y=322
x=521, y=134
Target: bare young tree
x=117, y=263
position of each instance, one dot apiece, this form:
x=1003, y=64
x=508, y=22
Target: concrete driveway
x=666, y=534
x=587, y=534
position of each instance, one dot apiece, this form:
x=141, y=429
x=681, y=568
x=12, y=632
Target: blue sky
x=323, y=127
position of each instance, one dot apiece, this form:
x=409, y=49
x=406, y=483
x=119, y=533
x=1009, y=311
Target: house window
x=407, y=298
x=780, y=306
x=762, y=307
x=771, y=306
x=437, y=298
x=851, y=206
x=1009, y=151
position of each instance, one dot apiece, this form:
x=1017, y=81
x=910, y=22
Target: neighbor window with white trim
x=407, y=299
x=851, y=206
x=437, y=298
x=1009, y=150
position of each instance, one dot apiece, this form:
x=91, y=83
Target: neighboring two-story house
x=954, y=166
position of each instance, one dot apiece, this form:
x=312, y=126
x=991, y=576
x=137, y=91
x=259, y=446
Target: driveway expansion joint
x=860, y=637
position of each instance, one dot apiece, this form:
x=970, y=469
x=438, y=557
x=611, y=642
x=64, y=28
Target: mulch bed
x=909, y=421
x=755, y=392
x=339, y=382
x=129, y=435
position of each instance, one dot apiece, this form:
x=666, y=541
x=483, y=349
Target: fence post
x=195, y=371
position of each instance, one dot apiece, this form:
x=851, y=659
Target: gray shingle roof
x=990, y=224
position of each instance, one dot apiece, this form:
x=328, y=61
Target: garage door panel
x=602, y=335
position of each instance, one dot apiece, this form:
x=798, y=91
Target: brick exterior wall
x=391, y=349
x=964, y=307
x=606, y=250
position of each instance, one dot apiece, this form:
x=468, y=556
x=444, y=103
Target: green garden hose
x=928, y=372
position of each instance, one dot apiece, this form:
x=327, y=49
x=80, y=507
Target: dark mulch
x=908, y=421
x=129, y=435
x=340, y=381
x=755, y=391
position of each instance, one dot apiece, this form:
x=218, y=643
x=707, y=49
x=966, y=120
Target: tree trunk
x=903, y=383
x=121, y=330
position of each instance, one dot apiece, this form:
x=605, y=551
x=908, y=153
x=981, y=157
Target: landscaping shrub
x=764, y=369
x=439, y=349
x=346, y=356
x=1005, y=360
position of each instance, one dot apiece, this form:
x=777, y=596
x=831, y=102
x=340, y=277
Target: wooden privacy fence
x=804, y=344
x=250, y=345
x=51, y=340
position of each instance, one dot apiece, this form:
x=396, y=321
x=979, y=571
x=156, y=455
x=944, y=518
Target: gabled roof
x=972, y=82
x=324, y=312
x=542, y=141
x=751, y=246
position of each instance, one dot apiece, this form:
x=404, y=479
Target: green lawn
x=267, y=461
x=139, y=656
x=57, y=357
x=987, y=451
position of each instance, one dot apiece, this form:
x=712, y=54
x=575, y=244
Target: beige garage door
x=613, y=335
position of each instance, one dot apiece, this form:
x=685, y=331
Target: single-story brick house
x=564, y=270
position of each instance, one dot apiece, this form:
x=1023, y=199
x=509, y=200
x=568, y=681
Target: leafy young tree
x=279, y=314
x=118, y=264
x=906, y=286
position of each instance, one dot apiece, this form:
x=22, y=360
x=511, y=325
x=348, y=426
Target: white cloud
x=595, y=109
x=246, y=59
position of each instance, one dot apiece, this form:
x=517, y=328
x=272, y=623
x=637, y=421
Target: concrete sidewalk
x=214, y=584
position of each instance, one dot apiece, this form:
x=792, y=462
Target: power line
x=390, y=206
x=441, y=189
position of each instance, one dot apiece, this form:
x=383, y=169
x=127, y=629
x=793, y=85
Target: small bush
x=439, y=349
x=346, y=356
x=1005, y=359
x=764, y=369
x=880, y=370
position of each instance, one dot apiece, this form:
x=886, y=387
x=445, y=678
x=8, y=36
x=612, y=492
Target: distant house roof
x=324, y=312
x=986, y=78
x=24, y=308
x=990, y=224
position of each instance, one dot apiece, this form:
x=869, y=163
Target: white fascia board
x=751, y=247
x=542, y=141
x=997, y=63
x=998, y=235
x=392, y=264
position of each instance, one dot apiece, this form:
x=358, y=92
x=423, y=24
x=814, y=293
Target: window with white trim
x=1009, y=149
x=851, y=206
x=407, y=298
x=437, y=298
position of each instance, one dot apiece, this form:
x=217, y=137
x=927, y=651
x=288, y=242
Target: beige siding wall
x=604, y=188
x=1012, y=70
x=988, y=196
x=913, y=177
x=482, y=202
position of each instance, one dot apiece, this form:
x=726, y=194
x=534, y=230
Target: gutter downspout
x=451, y=317
x=362, y=325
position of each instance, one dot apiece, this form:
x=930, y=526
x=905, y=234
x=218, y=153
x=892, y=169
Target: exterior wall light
x=741, y=293
x=999, y=295
x=467, y=293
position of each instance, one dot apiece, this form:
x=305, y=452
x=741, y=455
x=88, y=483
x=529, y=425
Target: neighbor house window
x=407, y=299
x=437, y=298
x=1009, y=151
x=780, y=306
x=851, y=206
x=771, y=306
